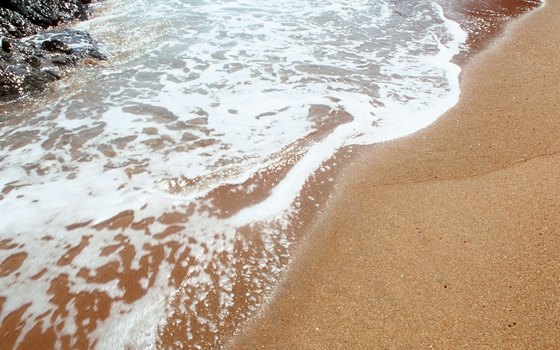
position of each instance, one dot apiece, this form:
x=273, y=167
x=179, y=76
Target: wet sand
x=449, y=238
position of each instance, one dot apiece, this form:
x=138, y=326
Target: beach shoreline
x=125, y=250
x=446, y=238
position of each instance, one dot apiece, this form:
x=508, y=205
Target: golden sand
x=449, y=238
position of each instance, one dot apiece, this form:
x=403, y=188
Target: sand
x=449, y=238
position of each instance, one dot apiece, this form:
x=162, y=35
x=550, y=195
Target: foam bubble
x=104, y=189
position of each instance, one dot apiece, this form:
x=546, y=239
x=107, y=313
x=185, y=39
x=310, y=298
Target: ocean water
x=152, y=200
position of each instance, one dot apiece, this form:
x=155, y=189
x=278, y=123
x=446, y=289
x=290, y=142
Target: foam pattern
x=107, y=233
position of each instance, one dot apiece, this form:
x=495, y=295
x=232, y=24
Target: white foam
x=138, y=323
x=227, y=86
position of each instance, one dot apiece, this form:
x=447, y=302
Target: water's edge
x=240, y=230
x=341, y=165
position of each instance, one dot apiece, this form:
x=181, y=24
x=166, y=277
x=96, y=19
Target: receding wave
x=150, y=202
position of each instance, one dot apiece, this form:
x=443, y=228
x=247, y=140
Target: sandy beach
x=448, y=238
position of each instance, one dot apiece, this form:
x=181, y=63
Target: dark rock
x=47, y=13
x=30, y=57
x=80, y=43
x=19, y=79
x=16, y=25
x=60, y=60
x=28, y=65
x=6, y=46
x=55, y=45
x=20, y=49
x=8, y=84
x=35, y=81
x=33, y=61
x=54, y=75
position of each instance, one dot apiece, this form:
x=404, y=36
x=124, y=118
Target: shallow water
x=153, y=200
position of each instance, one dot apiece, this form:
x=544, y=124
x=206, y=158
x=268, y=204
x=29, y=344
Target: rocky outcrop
x=16, y=25
x=48, y=13
x=31, y=56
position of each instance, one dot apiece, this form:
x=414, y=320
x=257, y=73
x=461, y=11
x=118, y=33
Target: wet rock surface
x=47, y=13
x=32, y=54
x=16, y=25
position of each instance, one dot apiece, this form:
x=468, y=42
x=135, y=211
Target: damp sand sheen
x=154, y=201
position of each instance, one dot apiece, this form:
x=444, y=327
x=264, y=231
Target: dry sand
x=449, y=238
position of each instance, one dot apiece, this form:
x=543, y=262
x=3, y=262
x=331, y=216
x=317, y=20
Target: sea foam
x=200, y=95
